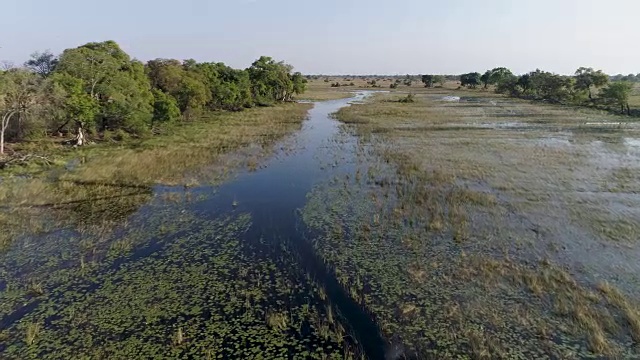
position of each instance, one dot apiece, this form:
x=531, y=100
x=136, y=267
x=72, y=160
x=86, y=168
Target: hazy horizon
x=342, y=37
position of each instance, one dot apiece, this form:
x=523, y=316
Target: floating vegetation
x=185, y=273
x=443, y=261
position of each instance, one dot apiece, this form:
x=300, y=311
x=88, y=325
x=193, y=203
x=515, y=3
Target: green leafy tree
x=471, y=80
x=617, y=94
x=428, y=80
x=77, y=105
x=550, y=87
x=524, y=82
x=586, y=78
x=486, y=78
x=495, y=76
x=299, y=83
x=270, y=81
x=439, y=79
x=18, y=97
x=230, y=88
x=165, y=74
x=165, y=108
x=509, y=85
x=192, y=95
x=118, y=83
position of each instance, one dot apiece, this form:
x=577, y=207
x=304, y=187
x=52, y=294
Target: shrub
x=408, y=99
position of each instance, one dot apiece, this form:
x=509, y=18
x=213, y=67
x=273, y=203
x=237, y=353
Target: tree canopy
x=471, y=80
x=101, y=88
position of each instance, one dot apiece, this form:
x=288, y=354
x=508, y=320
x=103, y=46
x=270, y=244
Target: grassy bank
x=476, y=232
x=102, y=183
x=317, y=91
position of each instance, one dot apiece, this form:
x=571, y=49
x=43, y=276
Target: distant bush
x=394, y=86
x=408, y=99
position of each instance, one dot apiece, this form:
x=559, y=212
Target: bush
x=408, y=99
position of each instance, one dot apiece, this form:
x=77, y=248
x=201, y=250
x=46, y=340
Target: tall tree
x=427, y=80
x=118, y=83
x=471, y=80
x=299, y=83
x=192, y=95
x=586, y=78
x=617, y=93
x=42, y=63
x=495, y=76
x=165, y=74
x=165, y=107
x=77, y=105
x=18, y=91
x=486, y=78
x=270, y=81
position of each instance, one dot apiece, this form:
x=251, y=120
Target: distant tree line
x=97, y=87
x=629, y=78
x=586, y=87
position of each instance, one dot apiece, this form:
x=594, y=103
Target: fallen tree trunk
x=23, y=160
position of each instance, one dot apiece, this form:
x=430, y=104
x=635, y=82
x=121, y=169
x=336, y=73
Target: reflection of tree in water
x=93, y=204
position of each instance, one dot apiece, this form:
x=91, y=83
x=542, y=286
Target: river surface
x=275, y=194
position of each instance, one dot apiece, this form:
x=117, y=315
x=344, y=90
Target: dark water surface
x=274, y=195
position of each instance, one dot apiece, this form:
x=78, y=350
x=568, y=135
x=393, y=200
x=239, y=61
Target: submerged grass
x=473, y=231
x=198, y=290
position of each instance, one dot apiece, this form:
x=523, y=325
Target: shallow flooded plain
x=451, y=227
x=506, y=230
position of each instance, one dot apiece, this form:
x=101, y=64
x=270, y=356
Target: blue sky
x=341, y=36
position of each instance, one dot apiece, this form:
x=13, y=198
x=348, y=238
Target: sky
x=341, y=36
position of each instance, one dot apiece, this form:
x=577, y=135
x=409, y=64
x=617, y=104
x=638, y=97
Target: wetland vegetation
x=204, y=214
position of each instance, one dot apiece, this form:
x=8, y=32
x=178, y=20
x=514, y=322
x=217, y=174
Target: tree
x=471, y=80
x=299, y=83
x=18, y=91
x=439, y=79
x=165, y=74
x=43, y=63
x=495, y=76
x=165, y=107
x=192, y=95
x=118, y=84
x=524, y=82
x=486, y=78
x=617, y=93
x=270, y=81
x=550, y=87
x=586, y=78
x=508, y=85
x=93, y=67
x=77, y=105
x=428, y=80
